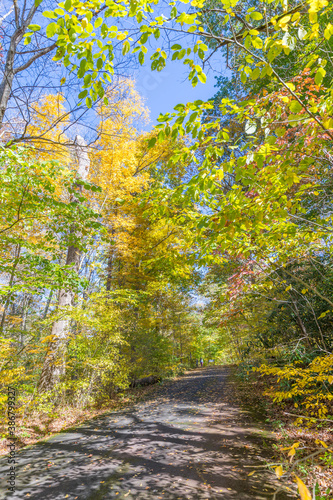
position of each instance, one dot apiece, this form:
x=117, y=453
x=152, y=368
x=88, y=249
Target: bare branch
x=6, y=15
x=38, y=54
x=17, y=14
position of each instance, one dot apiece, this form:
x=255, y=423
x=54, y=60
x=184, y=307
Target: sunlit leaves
x=303, y=490
x=320, y=74
x=51, y=29
x=328, y=31
x=126, y=47
x=279, y=472
x=92, y=38
x=256, y=16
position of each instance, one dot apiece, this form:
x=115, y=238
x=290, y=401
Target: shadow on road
x=187, y=443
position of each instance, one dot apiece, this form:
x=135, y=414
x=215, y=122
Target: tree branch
x=40, y=53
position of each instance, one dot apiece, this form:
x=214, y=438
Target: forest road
x=185, y=442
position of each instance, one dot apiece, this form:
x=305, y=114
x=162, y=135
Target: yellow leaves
x=291, y=86
x=304, y=386
x=220, y=174
x=323, y=444
x=323, y=314
x=316, y=5
x=115, y=166
x=48, y=338
x=49, y=118
x=279, y=472
x=292, y=451
x=122, y=36
x=303, y=490
x=284, y=22
x=328, y=123
x=328, y=31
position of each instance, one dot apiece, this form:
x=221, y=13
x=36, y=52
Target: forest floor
x=189, y=439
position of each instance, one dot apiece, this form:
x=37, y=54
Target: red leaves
x=251, y=194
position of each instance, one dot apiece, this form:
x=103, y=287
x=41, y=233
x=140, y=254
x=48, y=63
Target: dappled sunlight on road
x=187, y=443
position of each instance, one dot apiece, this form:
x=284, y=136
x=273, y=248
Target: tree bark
x=54, y=364
x=9, y=71
x=300, y=322
x=11, y=281
x=25, y=307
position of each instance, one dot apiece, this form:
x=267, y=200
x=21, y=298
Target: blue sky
x=164, y=90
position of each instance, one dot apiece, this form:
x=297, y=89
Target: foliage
x=128, y=288
x=229, y=198
x=309, y=388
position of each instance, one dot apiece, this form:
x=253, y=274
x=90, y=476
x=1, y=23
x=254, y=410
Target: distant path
x=185, y=442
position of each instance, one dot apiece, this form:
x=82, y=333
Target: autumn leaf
x=279, y=471
x=303, y=490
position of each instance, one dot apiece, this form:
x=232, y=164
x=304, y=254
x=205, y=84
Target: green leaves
x=320, y=74
x=51, y=29
x=126, y=47
x=280, y=132
x=152, y=142
x=257, y=48
x=295, y=107
x=50, y=14
x=29, y=199
x=34, y=27
x=256, y=16
x=202, y=77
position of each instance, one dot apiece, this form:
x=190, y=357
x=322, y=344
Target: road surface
x=185, y=442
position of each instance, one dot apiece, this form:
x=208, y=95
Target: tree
x=30, y=71
x=54, y=363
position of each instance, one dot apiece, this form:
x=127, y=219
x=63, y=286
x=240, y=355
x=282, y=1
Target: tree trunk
x=11, y=281
x=8, y=75
x=48, y=302
x=54, y=363
x=300, y=323
x=9, y=71
x=25, y=306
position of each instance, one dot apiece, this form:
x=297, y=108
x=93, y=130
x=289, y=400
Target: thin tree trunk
x=54, y=364
x=26, y=302
x=110, y=267
x=8, y=75
x=48, y=302
x=9, y=71
x=11, y=280
x=300, y=322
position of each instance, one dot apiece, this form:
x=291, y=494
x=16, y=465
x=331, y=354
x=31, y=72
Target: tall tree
x=54, y=364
